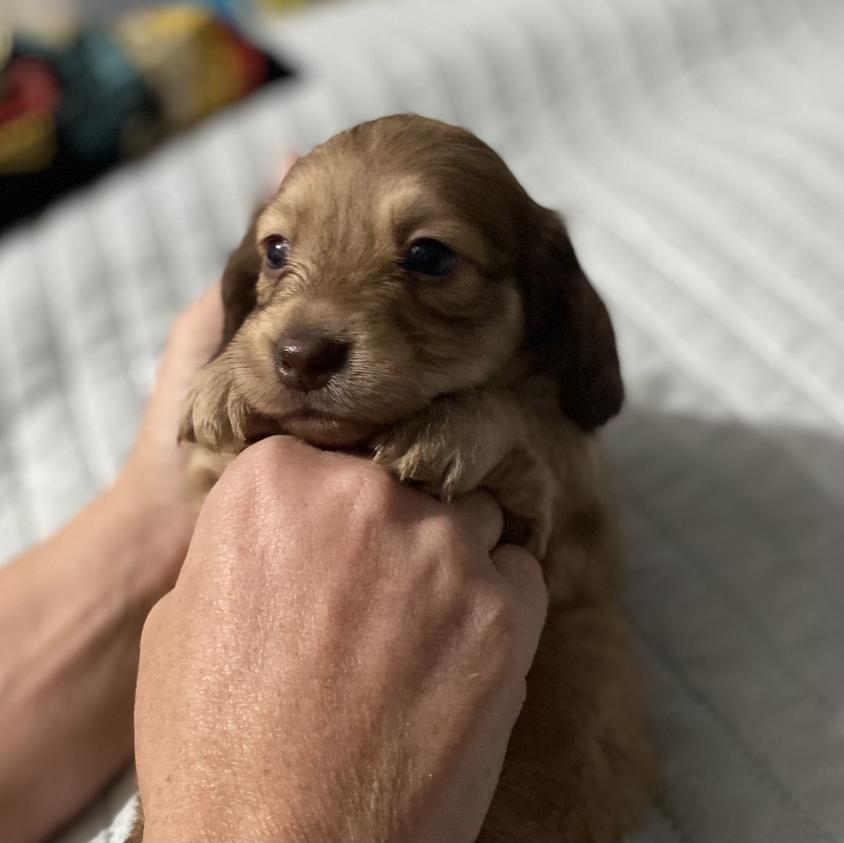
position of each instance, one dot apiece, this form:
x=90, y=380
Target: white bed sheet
x=696, y=148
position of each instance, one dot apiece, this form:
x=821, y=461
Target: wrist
x=157, y=530
x=236, y=821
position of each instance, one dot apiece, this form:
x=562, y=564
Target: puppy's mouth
x=319, y=427
x=306, y=414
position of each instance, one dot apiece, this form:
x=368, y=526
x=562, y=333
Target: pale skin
x=345, y=660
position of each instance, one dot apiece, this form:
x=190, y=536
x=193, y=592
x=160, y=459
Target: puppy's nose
x=306, y=361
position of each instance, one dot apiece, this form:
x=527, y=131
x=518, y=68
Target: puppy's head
x=399, y=261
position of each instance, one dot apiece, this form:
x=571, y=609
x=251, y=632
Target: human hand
x=152, y=482
x=342, y=658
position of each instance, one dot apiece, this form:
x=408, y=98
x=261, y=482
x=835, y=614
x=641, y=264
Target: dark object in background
x=67, y=113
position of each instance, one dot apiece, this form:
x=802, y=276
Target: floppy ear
x=240, y=278
x=568, y=327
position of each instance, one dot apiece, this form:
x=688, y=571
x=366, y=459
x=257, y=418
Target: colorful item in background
x=69, y=112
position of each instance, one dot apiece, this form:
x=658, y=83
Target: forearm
x=71, y=613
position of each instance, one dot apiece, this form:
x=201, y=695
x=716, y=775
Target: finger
x=480, y=514
x=209, y=304
x=523, y=574
x=195, y=336
x=202, y=323
x=285, y=165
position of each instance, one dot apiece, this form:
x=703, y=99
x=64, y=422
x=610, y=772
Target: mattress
x=696, y=148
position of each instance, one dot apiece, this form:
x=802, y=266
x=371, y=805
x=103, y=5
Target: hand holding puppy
x=351, y=677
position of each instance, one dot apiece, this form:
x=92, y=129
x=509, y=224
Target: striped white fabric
x=697, y=150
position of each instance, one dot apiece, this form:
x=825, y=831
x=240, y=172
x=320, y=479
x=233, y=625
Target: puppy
x=404, y=297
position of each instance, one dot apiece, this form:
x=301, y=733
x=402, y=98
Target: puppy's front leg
x=216, y=425
x=475, y=439
x=216, y=415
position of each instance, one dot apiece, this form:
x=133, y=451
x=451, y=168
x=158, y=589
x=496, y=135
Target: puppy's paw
x=427, y=451
x=215, y=417
x=525, y=485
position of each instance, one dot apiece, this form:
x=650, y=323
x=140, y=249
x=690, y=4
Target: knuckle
x=442, y=543
x=273, y=450
x=452, y=533
x=447, y=532
x=249, y=476
x=261, y=466
x=373, y=486
x=499, y=629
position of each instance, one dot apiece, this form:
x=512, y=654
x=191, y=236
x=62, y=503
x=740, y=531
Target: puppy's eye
x=429, y=257
x=276, y=252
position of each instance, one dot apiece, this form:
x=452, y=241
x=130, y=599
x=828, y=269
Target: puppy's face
x=390, y=268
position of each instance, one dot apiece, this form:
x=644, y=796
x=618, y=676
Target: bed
x=696, y=148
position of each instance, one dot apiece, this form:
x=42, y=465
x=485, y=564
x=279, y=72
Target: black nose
x=306, y=360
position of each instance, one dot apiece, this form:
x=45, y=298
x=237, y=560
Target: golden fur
x=495, y=376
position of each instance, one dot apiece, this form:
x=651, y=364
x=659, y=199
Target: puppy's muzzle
x=306, y=360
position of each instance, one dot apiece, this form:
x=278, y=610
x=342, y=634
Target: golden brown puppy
x=403, y=296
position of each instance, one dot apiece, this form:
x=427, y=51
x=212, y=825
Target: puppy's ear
x=568, y=328
x=240, y=278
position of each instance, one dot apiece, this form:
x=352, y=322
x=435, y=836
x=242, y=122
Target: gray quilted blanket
x=697, y=150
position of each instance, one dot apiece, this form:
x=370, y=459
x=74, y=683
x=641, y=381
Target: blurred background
x=85, y=85
x=696, y=148
x=54, y=16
